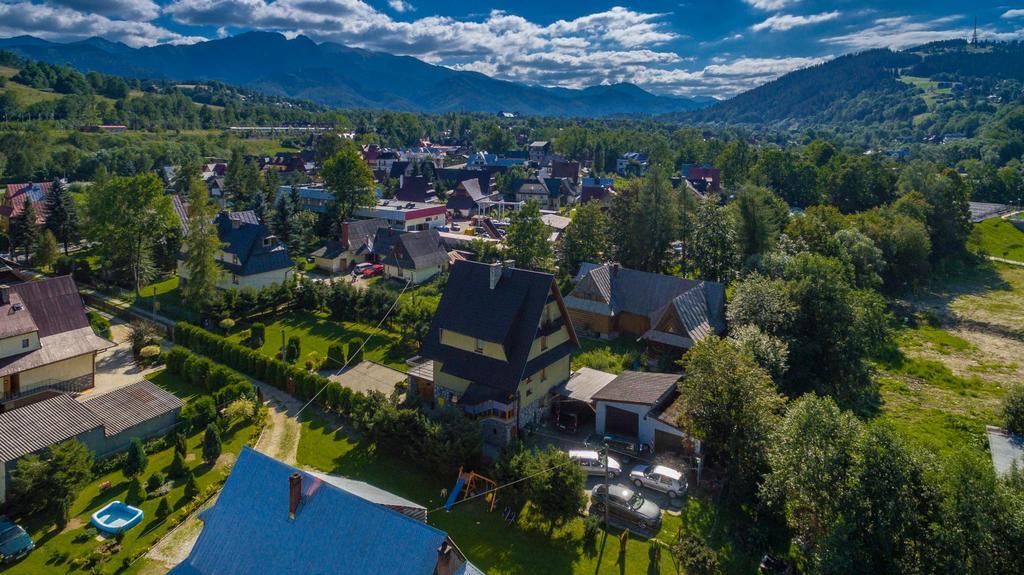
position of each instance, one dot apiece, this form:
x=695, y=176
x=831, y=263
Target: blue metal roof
x=248, y=530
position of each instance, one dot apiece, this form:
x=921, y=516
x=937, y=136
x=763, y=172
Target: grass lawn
x=54, y=550
x=997, y=237
x=25, y=95
x=316, y=333
x=613, y=356
x=488, y=541
x=168, y=300
x=945, y=381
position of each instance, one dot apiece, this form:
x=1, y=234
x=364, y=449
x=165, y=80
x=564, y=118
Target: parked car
x=659, y=478
x=456, y=227
x=358, y=270
x=567, y=422
x=628, y=447
x=593, y=463
x=373, y=271
x=628, y=506
x=15, y=543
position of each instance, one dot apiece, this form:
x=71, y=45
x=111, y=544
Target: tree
x=211, y=443
x=949, y=219
x=181, y=444
x=348, y=177
x=762, y=302
x=730, y=403
x=283, y=224
x=126, y=217
x=178, y=467
x=191, y=487
x=770, y=352
x=62, y=215
x=692, y=555
x=713, y=242
x=201, y=245
x=760, y=217
x=163, y=509
x=1013, y=409
x=24, y=231
x=46, y=251
x=136, y=460
x=136, y=492
x=557, y=488
x=45, y=481
x=527, y=239
x=645, y=221
x=585, y=238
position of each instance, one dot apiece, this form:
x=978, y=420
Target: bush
x=136, y=461
x=199, y=412
x=164, y=509
x=100, y=325
x=591, y=525
x=150, y=353
x=294, y=349
x=1013, y=410
x=336, y=354
x=227, y=324
x=135, y=494
x=211, y=443
x=178, y=467
x=155, y=481
x=257, y=335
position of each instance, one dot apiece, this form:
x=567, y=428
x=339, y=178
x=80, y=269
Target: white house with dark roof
x=643, y=406
x=250, y=255
x=46, y=343
x=416, y=256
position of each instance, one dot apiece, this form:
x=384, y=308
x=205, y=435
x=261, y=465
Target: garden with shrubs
x=54, y=494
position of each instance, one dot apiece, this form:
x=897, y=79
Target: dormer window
x=25, y=343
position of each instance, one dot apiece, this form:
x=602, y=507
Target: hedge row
x=304, y=384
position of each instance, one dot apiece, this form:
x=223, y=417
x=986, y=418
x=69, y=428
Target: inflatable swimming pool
x=116, y=517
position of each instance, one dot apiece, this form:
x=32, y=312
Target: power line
x=348, y=360
x=504, y=485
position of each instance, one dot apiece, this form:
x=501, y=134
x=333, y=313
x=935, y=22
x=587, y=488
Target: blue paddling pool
x=116, y=517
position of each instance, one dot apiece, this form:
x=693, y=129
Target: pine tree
x=201, y=246
x=211, y=443
x=177, y=468
x=46, y=250
x=61, y=215
x=25, y=231
x=136, y=460
x=181, y=444
x=191, y=487
x=136, y=494
x=281, y=223
x=164, y=509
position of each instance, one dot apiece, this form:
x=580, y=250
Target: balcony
x=490, y=409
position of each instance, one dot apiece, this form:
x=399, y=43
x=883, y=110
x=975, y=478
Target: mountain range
x=343, y=77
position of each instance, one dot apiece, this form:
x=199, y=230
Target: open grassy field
x=55, y=550
x=527, y=547
x=956, y=359
x=316, y=332
x=25, y=95
x=997, y=237
x=613, y=356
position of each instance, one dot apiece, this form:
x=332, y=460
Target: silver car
x=659, y=478
x=592, y=463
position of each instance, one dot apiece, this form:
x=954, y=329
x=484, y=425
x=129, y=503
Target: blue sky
x=709, y=47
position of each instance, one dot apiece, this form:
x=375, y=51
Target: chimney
x=615, y=269
x=506, y=268
x=5, y=294
x=495, y=270
x=294, y=494
x=446, y=564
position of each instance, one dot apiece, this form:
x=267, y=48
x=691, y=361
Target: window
x=234, y=279
x=25, y=342
x=479, y=345
x=543, y=374
x=543, y=342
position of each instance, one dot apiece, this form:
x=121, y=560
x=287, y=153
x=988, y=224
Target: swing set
x=470, y=484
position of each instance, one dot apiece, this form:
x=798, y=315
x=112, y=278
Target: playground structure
x=469, y=485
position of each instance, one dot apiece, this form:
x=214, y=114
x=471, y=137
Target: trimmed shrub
x=199, y=413
x=227, y=324
x=294, y=349
x=336, y=355
x=155, y=481
x=100, y=325
x=257, y=335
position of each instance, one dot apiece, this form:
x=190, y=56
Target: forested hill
x=876, y=86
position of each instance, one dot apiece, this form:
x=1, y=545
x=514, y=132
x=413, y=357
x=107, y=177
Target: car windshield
x=636, y=501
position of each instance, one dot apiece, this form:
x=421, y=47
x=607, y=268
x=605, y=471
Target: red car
x=375, y=270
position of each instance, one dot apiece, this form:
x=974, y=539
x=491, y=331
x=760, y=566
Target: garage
x=665, y=441
x=621, y=422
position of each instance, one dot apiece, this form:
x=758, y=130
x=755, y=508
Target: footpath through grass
x=55, y=551
x=493, y=545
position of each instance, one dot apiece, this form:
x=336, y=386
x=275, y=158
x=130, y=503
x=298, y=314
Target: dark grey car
x=627, y=506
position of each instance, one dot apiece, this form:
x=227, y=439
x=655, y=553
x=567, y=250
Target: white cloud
x=61, y=23
x=401, y=6
x=783, y=22
x=904, y=32
x=767, y=5
x=121, y=9
x=1016, y=13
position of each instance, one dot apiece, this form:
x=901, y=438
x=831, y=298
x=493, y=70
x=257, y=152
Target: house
x=46, y=343
x=354, y=246
x=633, y=164
x=415, y=189
x=416, y=256
x=540, y=153
x=550, y=193
x=644, y=406
x=597, y=190
x=105, y=423
x=312, y=198
x=556, y=224
x=250, y=255
x=500, y=340
x=704, y=178
x=566, y=169
x=14, y=201
x=400, y=215
x=670, y=313
x=271, y=517
x=105, y=128
x=469, y=198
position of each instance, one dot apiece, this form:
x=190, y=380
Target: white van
x=593, y=463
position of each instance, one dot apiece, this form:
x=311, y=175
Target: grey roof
x=417, y=250
x=55, y=348
x=555, y=221
x=39, y=425
x=584, y=383
x=129, y=406
x=639, y=387
x=55, y=304
x=375, y=494
x=15, y=318
x=1007, y=449
x=243, y=235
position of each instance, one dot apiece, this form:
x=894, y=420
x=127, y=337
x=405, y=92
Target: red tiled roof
x=14, y=200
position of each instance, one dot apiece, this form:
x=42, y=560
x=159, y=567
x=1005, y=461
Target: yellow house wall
x=61, y=371
x=466, y=343
x=554, y=374
x=456, y=384
x=559, y=337
x=12, y=345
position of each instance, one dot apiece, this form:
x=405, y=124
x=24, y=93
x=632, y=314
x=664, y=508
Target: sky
x=698, y=48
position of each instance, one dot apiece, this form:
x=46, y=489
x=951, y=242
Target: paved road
x=1005, y=261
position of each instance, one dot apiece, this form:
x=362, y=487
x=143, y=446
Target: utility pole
x=607, y=493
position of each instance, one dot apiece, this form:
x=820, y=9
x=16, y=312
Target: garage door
x=665, y=441
x=621, y=422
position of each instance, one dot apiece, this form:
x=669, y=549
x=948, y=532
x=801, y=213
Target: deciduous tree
x=348, y=177
x=585, y=238
x=527, y=239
